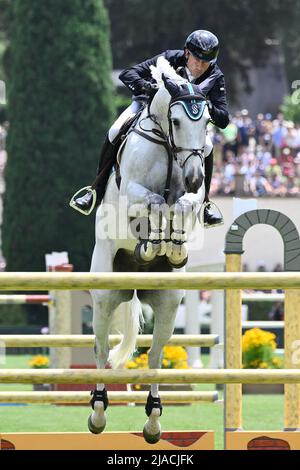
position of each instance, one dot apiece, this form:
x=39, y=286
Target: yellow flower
x=131, y=365
x=174, y=357
x=39, y=362
x=277, y=361
x=263, y=365
x=258, y=348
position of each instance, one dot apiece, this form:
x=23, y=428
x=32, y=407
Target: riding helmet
x=203, y=44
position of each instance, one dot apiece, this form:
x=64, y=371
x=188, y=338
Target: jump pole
x=113, y=396
x=149, y=376
x=12, y=299
x=87, y=341
x=147, y=281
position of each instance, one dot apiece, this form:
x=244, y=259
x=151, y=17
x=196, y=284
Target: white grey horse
x=143, y=226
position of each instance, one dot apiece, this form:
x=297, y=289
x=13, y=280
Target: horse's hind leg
x=164, y=305
x=104, y=306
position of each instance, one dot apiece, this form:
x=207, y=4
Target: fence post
x=233, y=347
x=292, y=358
x=60, y=322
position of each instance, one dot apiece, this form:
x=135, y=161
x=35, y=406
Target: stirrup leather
x=201, y=215
x=73, y=204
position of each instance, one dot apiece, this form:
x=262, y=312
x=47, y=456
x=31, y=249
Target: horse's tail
x=132, y=322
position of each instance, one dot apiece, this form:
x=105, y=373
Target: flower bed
x=174, y=357
x=258, y=349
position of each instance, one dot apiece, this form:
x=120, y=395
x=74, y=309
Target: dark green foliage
x=291, y=107
x=12, y=315
x=5, y=25
x=147, y=28
x=291, y=41
x=60, y=106
x=141, y=29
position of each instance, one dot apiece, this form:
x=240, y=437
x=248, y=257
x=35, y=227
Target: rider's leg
x=105, y=164
x=209, y=164
x=106, y=159
x=212, y=215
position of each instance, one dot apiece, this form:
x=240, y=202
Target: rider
x=197, y=63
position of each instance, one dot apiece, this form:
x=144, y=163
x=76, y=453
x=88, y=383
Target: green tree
x=60, y=106
x=5, y=22
x=291, y=107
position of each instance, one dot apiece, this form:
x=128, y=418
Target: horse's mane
x=163, y=67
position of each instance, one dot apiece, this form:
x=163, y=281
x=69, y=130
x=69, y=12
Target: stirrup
x=73, y=204
x=201, y=215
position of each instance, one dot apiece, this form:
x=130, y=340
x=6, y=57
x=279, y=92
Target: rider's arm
x=217, y=106
x=134, y=77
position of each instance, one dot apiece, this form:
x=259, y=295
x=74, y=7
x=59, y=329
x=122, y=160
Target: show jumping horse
x=143, y=226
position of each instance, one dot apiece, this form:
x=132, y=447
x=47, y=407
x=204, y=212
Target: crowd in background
x=263, y=155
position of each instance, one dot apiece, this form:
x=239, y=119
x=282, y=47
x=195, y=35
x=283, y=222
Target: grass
x=260, y=412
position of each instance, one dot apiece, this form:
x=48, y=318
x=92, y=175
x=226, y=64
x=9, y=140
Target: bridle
x=197, y=152
x=168, y=141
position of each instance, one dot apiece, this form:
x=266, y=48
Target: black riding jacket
x=211, y=83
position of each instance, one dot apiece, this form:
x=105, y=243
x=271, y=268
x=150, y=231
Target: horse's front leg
x=182, y=223
x=184, y=218
x=142, y=201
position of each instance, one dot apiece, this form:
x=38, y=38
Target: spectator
x=259, y=186
x=277, y=313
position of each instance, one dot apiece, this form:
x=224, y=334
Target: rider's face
x=196, y=66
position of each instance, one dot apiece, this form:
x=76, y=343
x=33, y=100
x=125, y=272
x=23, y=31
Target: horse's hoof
x=178, y=266
x=151, y=438
x=93, y=428
x=138, y=257
x=152, y=428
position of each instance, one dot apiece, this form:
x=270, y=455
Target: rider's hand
x=209, y=104
x=210, y=109
x=150, y=88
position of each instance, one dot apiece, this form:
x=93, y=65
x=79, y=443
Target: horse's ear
x=171, y=86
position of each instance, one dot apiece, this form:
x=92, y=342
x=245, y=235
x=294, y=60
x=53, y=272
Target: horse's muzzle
x=192, y=183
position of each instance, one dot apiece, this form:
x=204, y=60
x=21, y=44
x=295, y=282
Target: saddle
x=128, y=125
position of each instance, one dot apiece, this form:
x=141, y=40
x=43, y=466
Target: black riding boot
x=212, y=216
x=106, y=162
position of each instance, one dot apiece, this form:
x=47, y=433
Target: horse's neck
x=159, y=107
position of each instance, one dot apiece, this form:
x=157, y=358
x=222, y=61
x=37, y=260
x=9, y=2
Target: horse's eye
x=176, y=122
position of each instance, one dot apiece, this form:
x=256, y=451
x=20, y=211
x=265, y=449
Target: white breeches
x=129, y=112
